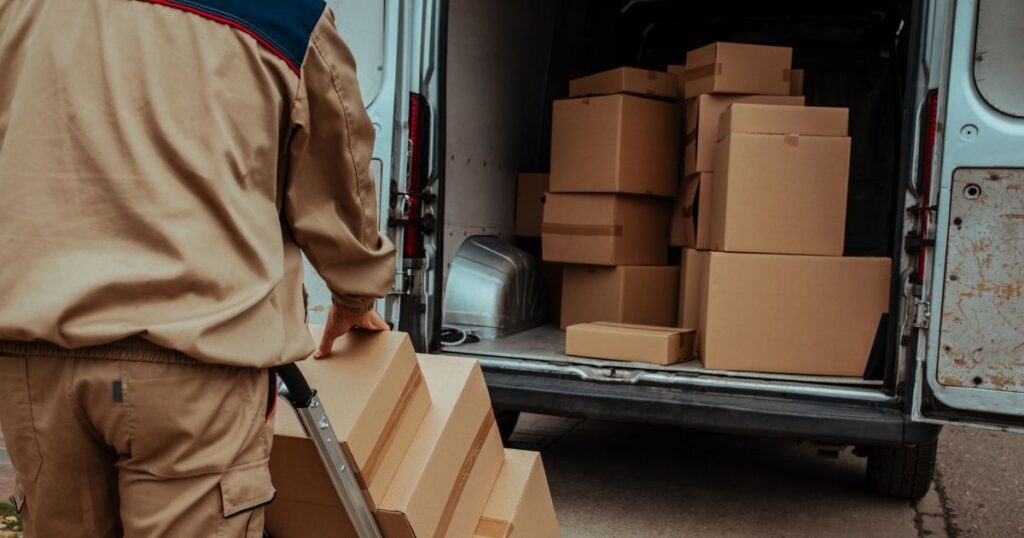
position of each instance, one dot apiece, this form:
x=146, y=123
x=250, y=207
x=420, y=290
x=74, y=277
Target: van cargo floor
x=547, y=343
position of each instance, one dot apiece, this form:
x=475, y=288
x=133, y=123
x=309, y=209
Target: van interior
x=506, y=62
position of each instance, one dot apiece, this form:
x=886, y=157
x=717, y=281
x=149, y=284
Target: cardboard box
x=690, y=224
x=791, y=314
x=629, y=80
x=738, y=68
x=628, y=342
x=680, y=72
x=754, y=118
x=690, y=274
x=796, y=82
x=780, y=194
x=376, y=397
x=615, y=143
x=442, y=484
x=520, y=505
x=530, y=191
x=605, y=229
x=702, y=120
x=645, y=295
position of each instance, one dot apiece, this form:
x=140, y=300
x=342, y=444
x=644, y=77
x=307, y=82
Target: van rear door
x=375, y=31
x=971, y=346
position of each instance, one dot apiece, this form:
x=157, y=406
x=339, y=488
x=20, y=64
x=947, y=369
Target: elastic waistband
x=134, y=348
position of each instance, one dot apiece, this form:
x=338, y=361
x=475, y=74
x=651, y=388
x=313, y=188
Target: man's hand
x=340, y=323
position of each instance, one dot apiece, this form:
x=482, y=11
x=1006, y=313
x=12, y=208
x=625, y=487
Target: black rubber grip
x=299, y=394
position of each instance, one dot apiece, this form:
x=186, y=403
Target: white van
x=461, y=92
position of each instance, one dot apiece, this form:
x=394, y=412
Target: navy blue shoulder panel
x=284, y=26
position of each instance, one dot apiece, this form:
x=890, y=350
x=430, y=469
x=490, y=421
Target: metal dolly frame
x=304, y=400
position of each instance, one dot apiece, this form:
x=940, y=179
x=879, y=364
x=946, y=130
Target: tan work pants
x=134, y=440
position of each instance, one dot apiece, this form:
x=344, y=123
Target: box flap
x=629, y=80
x=756, y=118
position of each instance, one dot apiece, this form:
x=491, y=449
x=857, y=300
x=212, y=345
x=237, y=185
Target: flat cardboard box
x=813, y=315
x=754, y=118
x=605, y=229
x=702, y=119
x=629, y=80
x=530, y=190
x=690, y=274
x=644, y=295
x=629, y=342
x=520, y=505
x=691, y=213
x=617, y=144
x=780, y=194
x=442, y=485
x=376, y=396
x=796, y=82
x=738, y=68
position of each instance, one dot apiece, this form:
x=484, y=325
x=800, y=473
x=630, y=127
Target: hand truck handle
x=297, y=390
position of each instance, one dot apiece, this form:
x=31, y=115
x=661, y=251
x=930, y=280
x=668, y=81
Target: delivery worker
x=162, y=164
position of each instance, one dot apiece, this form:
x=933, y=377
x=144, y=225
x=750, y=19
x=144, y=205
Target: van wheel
x=507, y=421
x=904, y=473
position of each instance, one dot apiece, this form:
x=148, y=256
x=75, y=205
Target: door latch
x=922, y=313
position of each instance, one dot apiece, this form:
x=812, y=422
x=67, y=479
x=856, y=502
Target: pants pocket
x=16, y=418
x=244, y=492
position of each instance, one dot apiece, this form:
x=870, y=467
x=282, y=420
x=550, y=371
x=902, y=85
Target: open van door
x=377, y=32
x=971, y=343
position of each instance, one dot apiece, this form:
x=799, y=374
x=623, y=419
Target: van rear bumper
x=815, y=419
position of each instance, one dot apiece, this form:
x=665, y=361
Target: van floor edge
x=547, y=343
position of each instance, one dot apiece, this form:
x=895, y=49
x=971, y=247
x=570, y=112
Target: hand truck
x=307, y=406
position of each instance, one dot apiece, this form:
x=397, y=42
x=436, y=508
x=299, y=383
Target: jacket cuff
x=349, y=304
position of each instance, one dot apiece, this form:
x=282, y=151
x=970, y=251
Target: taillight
x=419, y=140
x=925, y=179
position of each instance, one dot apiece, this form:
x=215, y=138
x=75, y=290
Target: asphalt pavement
x=626, y=480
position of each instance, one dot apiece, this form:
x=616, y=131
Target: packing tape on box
x=493, y=528
x=387, y=436
x=482, y=432
x=600, y=230
x=702, y=71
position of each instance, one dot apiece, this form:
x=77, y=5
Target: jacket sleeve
x=329, y=199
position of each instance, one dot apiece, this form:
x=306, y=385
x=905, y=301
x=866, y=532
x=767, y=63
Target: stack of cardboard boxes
x=764, y=279
x=614, y=171
x=424, y=443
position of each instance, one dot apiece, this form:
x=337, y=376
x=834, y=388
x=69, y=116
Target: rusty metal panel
x=981, y=341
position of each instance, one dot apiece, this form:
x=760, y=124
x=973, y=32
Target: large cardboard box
x=690, y=274
x=520, y=505
x=443, y=483
x=629, y=80
x=605, y=229
x=813, y=315
x=629, y=342
x=690, y=225
x=779, y=193
x=530, y=191
x=702, y=122
x=738, y=68
x=615, y=143
x=375, y=395
x=645, y=295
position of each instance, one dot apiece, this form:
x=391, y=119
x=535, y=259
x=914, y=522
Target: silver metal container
x=494, y=289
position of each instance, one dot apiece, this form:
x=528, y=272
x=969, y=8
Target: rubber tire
x=904, y=473
x=507, y=421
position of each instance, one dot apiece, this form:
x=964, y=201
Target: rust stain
x=1014, y=216
x=951, y=382
x=1015, y=187
x=318, y=308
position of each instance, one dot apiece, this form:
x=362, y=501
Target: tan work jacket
x=162, y=163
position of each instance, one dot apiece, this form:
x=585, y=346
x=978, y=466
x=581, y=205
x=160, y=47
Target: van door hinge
x=922, y=313
x=403, y=282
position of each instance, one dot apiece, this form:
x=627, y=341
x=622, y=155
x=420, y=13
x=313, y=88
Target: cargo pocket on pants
x=16, y=415
x=246, y=488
